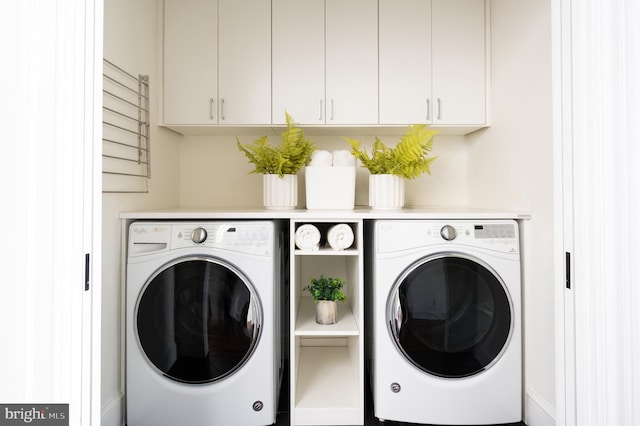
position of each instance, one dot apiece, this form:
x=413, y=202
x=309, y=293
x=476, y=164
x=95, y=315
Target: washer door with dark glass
x=450, y=315
x=198, y=320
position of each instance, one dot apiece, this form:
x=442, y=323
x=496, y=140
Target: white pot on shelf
x=326, y=312
x=280, y=192
x=386, y=192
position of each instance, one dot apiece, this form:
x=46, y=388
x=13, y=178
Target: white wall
x=214, y=173
x=511, y=167
x=131, y=41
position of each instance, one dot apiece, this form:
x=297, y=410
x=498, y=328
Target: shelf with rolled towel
x=324, y=238
x=324, y=251
x=330, y=248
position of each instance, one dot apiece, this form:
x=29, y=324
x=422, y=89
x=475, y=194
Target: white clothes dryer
x=445, y=321
x=203, y=321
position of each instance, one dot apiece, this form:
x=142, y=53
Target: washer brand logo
x=42, y=415
x=146, y=230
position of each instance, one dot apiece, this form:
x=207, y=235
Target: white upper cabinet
x=244, y=60
x=190, y=62
x=326, y=62
x=352, y=62
x=433, y=62
x=459, y=62
x=325, y=57
x=217, y=62
x=298, y=61
x=405, y=62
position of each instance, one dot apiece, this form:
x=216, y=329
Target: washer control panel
x=199, y=235
x=245, y=237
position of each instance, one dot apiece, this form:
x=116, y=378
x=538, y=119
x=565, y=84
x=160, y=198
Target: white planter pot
x=280, y=192
x=386, y=192
x=326, y=312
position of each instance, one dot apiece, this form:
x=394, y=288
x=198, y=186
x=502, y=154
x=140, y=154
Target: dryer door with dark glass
x=198, y=320
x=450, y=315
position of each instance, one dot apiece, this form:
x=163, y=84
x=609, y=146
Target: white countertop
x=435, y=212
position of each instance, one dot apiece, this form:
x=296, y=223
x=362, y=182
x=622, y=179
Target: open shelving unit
x=327, y=361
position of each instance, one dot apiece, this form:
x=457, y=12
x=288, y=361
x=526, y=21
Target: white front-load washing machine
x=203, y=320
x=445, y=321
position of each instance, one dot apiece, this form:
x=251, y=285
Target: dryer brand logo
x=41, y=415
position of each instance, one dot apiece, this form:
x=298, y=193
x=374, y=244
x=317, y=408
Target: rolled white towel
x=307, y=237
x=340, y=236
x=343, y=158
x=320, y=158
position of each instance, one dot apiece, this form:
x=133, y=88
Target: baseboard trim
x=113, y=411
x=538, y=411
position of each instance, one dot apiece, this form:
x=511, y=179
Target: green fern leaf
x=289, y=157
x=408, y=159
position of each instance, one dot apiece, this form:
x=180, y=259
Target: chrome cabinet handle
x=211, y=108
x=320, y=112
x=428, y=109
x=222, y=108
x=439, y=109
x=331, y=118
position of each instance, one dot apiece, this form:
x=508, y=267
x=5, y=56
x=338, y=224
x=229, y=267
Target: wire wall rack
x=126, y=144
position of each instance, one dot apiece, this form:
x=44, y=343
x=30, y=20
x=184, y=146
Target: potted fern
x=390, y=167
x=280, y=164
x=326, y=292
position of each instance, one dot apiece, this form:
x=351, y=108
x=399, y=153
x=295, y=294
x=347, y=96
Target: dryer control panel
x=399, y=235
x=495, y=230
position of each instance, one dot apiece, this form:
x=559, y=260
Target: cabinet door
x=244, y=54
x=459, y=62
x=190, y=61
x=298, y=60
x=351, y=62
x=405, y=61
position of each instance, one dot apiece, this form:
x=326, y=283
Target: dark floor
x=369, y=419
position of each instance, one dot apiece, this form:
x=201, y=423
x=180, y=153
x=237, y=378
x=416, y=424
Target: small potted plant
x=326, y=292
x=279, y=164
x=390, y=167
